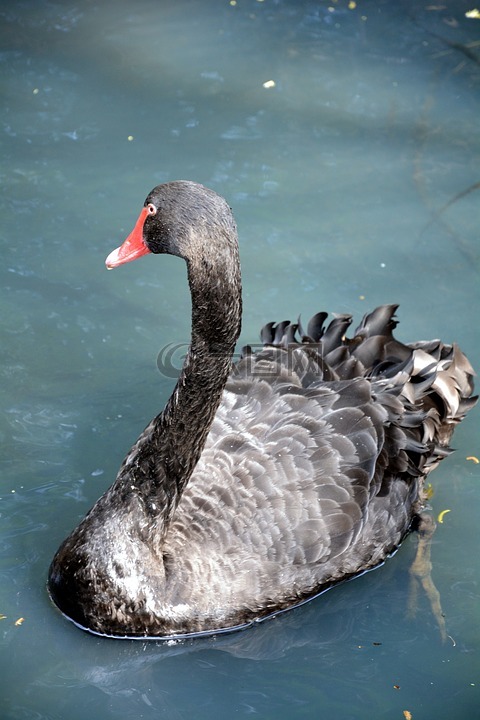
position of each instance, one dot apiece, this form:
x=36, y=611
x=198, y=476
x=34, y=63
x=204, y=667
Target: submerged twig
x=458, y=196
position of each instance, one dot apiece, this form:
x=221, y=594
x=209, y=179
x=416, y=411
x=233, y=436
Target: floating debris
x=442, y=515
x=473, y=14
x=473, y=458
x=19, y=622
x=428, y=491
x=269, y=84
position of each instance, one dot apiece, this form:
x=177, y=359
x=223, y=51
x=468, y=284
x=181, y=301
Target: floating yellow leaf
x=473, y=458
x=442, y=515
x=428, y=490
x=19, y=621
x=475, y=14
x=352, y=5
x=2, y=617
x=407, y=715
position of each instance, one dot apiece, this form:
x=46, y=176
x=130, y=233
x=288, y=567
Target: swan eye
x=151, y=209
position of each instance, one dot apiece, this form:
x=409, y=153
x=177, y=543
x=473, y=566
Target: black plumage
x=261, y=484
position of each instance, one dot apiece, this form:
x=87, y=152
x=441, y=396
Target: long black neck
x=161, y=463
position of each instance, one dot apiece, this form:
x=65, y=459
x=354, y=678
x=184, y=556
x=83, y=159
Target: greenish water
x=354, y=181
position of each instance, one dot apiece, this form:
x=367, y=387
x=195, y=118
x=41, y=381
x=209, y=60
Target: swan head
x=180, y=218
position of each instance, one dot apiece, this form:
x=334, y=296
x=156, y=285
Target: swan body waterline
x=260, y=484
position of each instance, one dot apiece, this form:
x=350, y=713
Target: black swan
x=263, y=483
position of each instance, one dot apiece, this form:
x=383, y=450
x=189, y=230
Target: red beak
x=133, y=247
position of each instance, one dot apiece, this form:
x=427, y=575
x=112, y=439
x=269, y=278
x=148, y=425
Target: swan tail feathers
x=430, y=381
